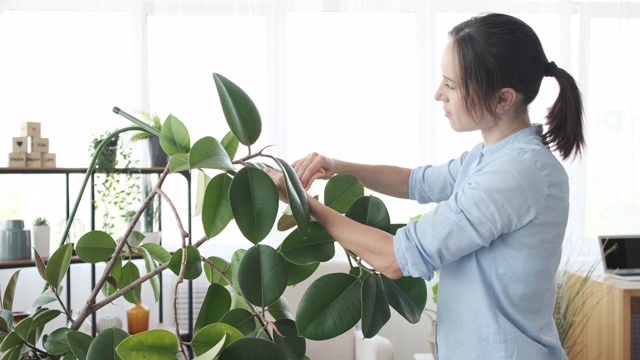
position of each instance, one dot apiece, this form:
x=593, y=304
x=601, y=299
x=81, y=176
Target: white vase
x=42, y=239
x=152, y=237
x=107, y=322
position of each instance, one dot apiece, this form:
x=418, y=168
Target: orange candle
x=137, y=318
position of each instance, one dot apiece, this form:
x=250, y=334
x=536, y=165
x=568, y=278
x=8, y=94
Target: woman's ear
x=506, y=99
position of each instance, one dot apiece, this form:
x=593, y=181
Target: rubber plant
x=258, y=326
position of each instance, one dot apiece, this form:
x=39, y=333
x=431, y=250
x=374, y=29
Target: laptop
x=621, y=256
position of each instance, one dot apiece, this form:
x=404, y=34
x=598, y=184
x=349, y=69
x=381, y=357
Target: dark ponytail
x=565, y=118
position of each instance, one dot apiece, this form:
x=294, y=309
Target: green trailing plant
x=116, y=195
x=244, y=314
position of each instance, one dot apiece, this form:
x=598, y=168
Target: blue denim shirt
x=496, y=237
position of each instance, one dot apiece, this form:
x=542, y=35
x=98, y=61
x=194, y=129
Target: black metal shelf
x=11, y=264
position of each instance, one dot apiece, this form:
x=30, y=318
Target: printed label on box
x=30, y=129
x=49, y=160
x=17, y=159
x=20, y=144
x=39, y=145
x=34, y=160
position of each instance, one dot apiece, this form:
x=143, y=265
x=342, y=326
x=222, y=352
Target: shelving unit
x=67, y=172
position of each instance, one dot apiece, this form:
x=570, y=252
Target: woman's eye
x=449, y=86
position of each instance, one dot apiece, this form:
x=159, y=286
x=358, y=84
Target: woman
x=496, y=234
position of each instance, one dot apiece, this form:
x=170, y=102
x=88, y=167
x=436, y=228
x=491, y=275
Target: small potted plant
x=41, y=236
x=157, y=156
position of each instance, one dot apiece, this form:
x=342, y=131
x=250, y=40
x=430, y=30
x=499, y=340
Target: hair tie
x=550, y=69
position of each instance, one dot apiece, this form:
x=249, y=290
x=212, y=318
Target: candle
x=137, y=318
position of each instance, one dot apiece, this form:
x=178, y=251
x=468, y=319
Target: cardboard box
x=39, y=145
x=48, y=160
x=30, y=129
x=20, y=144
x=17, y=159
x=34, y=160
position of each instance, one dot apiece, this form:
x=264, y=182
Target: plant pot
x=42, y=239
x=152, y=237
x=15, y=242
x=107, y=160
x=158, y=157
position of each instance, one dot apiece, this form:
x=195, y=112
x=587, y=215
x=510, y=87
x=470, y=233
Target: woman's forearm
x=374, y=246
x=385, y=179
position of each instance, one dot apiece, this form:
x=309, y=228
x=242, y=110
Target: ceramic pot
x=107, y=322
x=158, y=157
x=41, y=239
x=15, y=241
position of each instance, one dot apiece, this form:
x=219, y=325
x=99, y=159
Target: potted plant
x=41, y=236
x=157, y=156
x=244, y=314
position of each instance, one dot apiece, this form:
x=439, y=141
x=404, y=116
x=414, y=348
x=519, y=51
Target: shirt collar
x=519, y=136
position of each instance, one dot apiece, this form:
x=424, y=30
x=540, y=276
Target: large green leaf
x=6, y=319
x=179, y=162
x=59, y=264
x=287, y=337
x=130, y=273
x=22, y=328
x=212, y=353
x=193, y=267
x=79, y=343
x=11, y=341
x=174, y=137
x=216, y=303
x=95, y=246
x=230, y=143
x=241, y=319
x=56, y=343
x=317, y=246
x=253, y=348
x=150, y=265
x=216, y=208
x=375, y=307
x=341, y=191
x=407, y=295
x=104, y=345
x=208, y=153
x=232, y=274
x=149, y=345
x=254, y=203
x=201, y=185
x=280, y=309
x=44, y=317
x=210, y=335
x=297, y=196
x=298, y=273
x=370, y=210
x=157, y=252
x=262, y=275
x=47, y=297
x=213, y=276
x=9, y=291
x=239, y=110
x=330, y=306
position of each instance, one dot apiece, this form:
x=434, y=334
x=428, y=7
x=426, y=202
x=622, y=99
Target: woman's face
x=448, y=93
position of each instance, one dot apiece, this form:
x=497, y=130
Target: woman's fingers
x=318, y=174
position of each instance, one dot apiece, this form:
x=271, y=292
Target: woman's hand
x=314, y=166
x=278, y=178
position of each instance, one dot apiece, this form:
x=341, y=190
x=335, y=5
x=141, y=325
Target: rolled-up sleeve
x=485, y=204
